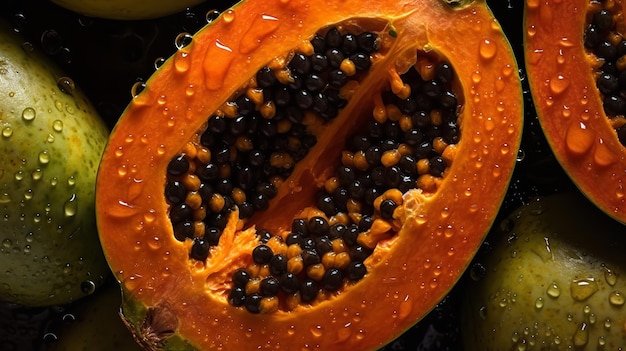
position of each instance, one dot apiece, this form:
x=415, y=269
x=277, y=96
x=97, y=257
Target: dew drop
x=7, y=132
x=578, y=139
x=582, y=289
x=19, y=175
x=554, y=291
x=539, y=303
x=610, y=277
x=216, y=63
x=7, y=243
x=182, y=40
x=228, y=16
x=137, y=88
x=181, y=61
x=37, y=174
x=57, y=125
x=581, y=336
x=476, y=77
x=66, y=85
x=70, y=206
x=88, y=287
x=559, y=84
x=617, y=298
x=487, y=49
x=212, y=15
x=317, y=331
x=71, y=181
x=67, y=269
x=29, y=114
x=261, y=27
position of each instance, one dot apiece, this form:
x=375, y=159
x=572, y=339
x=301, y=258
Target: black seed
x=394, y=176
x=336, y=231
x=607, y=83
x=183, y=230
x=308, y=243
x=217, y=220
x=299, y=225
x=367, y=42
x=335, y=57
x=304, y=99
x=175, y=192
x=314, y=82
x=447, y=99
x=278, y=264
x=333, y=279
x=237, y=296
x=244, y=105
x=289, y=283
x=221, y=153
x=359, y=253
x=217, y=125
x=337, y=78
x=621, y=48
x=606, y=50
x=300, y=63
x=207, y=139
x=444, y=72
x=356, y=190
x=387, y=207
x=199, y=249
x=212, y=235
x=269, y=286
x=208, y=172
x=294, y=238
x=318, y=226
x=224, y=186
x=238, y=125
x=407, y=106
x=260, y=202
x=603, y=20
x=246, y=210
x=177, y=166
x=262, y=254
x=345, y=175
x=266, y=189
x=310, y=257
x=296, y=81
x=350, y=235
x=282, y=96
x=371, y=194
x=253, y=303
x=349, y=44
x=308, y=291
x=355, y=271
x=423, y=150
x=614, y=105
x=592, y=37
x=180, y=212
x=323, y=245
x=621, y=134
x=264, y=235
x=326, y=204
x=319, y=62
x=365, y=224
x=361, y=61
x=379, y=176
x=408, y=165
x=436, y=166
x=333, y=38
x=265, y=77
x=319, y=44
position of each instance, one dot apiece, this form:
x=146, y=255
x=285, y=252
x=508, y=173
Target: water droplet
x=57, y=125
x=181, y=61
x=71, y=181
x=578, y=139
x=228, y=16
x=88, y=287
x=19, y=175
x=7, y=243
x=553, y=290
x=487, y=49
x=558, y=84
x=5, y=198
x=617, y=298
x=158, y=62
x=261, y=27
x=476, y=77
x=581, y=336
x=216, y=63
x=212, y=15
x=137, y=88
x=70, y=206
x=317, y=331
x=582, y=289
x=539, y=303
x=610, y=277
x=67, y=269
x=37, y=174
x=50, y=138
x=7, y=132
x=182, y=40
x=29, y=114
x=66, y=85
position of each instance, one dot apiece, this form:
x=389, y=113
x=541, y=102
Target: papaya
x=574, y=57
x=297, y=173
x=553, y=280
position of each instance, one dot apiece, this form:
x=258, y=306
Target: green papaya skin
x=51, y=141
x=555, y=279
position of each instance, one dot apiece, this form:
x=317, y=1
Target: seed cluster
x=251, y=145
x=606, y=43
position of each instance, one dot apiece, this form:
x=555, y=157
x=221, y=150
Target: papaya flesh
x=574, y=58
x=190, y=219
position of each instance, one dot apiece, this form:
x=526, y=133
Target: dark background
x=105, y=58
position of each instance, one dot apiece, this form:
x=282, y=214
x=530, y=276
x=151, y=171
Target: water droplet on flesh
x=582, y=289
x=487, y=49
x=553, y=290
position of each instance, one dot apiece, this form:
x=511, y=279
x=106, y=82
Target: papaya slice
x=297, y=173
x=574, y=62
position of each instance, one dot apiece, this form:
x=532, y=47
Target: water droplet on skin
x=610, y=277
x=67, y=269
x=617, y=298
x=182, y=40
x=261, y=27
x=88, y=287
x=212, y=15
x=19, y=175
x=5, y=198
x=57, y=125
x=554, y=291
x=7, y=132
x=37, y=174
x=29, y=114
x=582, y=289
x=7, y=243
x=487, y=49
x=66, y=85
x=539, y=303
x=70, y=206
x=581, y=336
x=159, y=62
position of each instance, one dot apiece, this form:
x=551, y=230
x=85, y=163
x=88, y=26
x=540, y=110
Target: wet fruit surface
x=92, y=51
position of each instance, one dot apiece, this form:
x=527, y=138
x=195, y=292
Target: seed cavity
x=250, y=146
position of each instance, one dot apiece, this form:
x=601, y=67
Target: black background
x=105, y=58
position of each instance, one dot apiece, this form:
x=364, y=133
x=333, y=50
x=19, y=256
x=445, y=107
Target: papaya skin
x=126, y=9
x=554, y=280
x=172, y=303
x=51, y=146
x=562, y=81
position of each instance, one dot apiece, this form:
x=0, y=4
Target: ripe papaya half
x=574, y=52
x=309, y=175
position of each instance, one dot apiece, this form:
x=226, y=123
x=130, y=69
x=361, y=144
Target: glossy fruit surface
x=554, y=280
x=563, y=73
x=51, y=143
x=126, y=9
x=174, y=297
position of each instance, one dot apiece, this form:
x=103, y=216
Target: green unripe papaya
x=51, y=141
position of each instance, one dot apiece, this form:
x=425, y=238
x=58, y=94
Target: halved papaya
x=309, y=175
x=574, y=52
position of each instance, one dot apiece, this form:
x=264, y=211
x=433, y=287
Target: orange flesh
x=563, y=80
x=414, y=270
